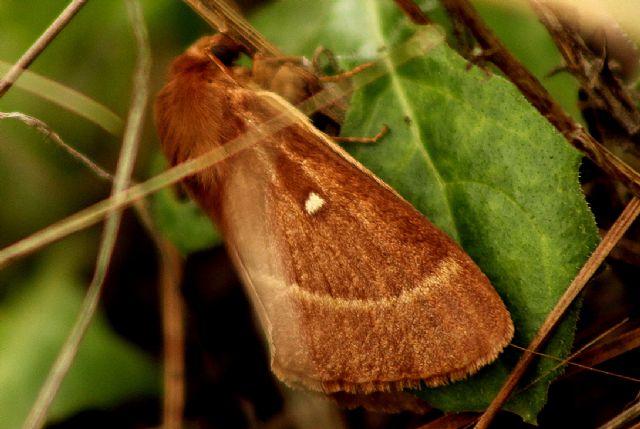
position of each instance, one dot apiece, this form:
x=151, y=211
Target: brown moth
x=356, y=290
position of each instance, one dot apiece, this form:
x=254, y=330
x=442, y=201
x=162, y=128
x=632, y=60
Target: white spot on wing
x=314, y=203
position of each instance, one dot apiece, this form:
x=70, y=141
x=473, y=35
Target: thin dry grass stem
x=417, y=46
x=566, y=361
x=612, y=348
x=141, y=210
x=39, y=45
x=173, y=310
x=624, y=418
x=45, y=130
x=173, y=316
x=219, y=14
x=37, y=415
x=570, y=360
x=140, y=207
x=498, y=54
x=618, y=229
x=97, y=212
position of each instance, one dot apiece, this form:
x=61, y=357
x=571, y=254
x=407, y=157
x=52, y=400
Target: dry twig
x=45, y=130
x=37, y=415
x=39, y=45
x=497, y=53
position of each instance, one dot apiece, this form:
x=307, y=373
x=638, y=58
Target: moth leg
x=265, y=68
x=348, y=74
x=281, y=59
x=374, y=139
x=333, y=64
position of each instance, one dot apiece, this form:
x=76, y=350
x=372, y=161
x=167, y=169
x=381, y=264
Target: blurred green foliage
x=33, y=326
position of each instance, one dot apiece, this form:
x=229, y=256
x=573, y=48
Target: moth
x=356, y=290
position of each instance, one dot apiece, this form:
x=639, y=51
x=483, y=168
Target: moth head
x=219, y=47
x=225, y=49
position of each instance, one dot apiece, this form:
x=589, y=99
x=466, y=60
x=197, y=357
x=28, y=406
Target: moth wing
x=358, y=291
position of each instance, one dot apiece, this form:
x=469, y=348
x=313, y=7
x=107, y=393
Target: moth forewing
x=357, y=290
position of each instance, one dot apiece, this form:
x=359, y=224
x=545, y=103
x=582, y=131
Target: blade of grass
x=69, y=99
x=39, y=45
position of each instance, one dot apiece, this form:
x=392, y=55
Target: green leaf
x=33, y=325
x=470, y=153
x=181, y=220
